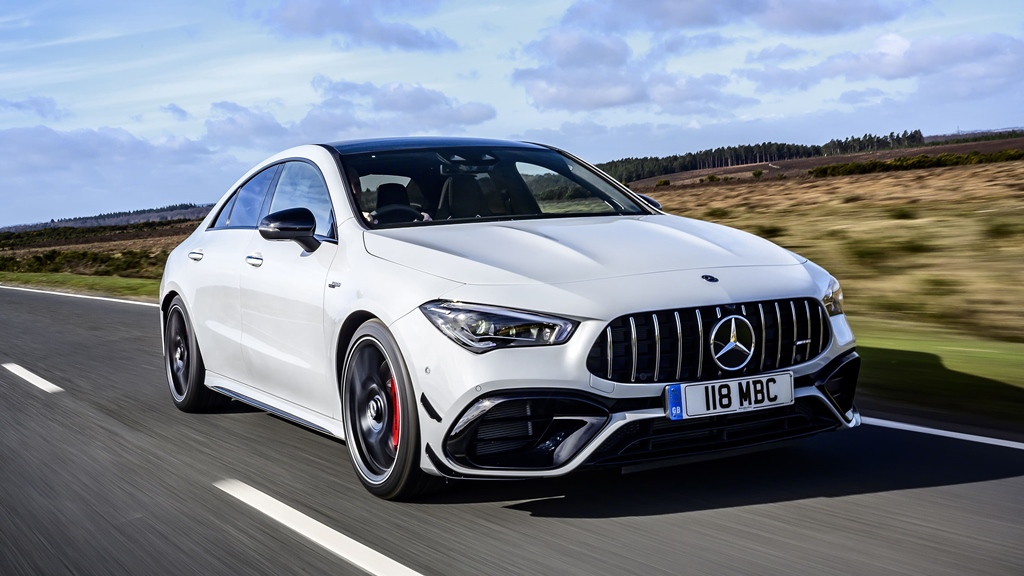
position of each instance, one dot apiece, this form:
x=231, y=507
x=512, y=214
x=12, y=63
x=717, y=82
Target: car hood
x=556, y=251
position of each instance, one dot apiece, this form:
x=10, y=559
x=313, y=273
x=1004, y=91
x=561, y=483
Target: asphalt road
x=107, y=477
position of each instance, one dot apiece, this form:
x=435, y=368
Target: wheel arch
x=348, y=329
x=165, y=304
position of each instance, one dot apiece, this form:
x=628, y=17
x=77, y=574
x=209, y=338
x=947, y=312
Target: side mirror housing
x=650, y=201
x=296, y=224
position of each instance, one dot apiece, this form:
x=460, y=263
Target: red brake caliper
x=396, y=423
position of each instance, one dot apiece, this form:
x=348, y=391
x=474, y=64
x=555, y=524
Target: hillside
x=165, y=214
x=798, y=168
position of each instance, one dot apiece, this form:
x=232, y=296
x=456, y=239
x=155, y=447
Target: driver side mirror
x=296, y=224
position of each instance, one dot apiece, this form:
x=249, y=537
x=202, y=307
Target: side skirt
x=273, y=405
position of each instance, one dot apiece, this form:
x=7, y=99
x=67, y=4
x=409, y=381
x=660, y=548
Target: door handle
x=196, y=255
x=254, y=260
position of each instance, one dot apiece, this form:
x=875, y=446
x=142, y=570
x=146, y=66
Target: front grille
x=661, y=438
x=675, y=345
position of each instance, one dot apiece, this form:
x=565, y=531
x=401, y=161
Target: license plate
x=728, y=396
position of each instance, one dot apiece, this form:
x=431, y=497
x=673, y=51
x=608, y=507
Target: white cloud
x=346, y=110
x=40, y=106
x=232, y=125
x=657, y=15
x=580, y=70
x=858, y=97
x=679, y=43
x=818, y=17
x=359, y=23
x=777, y=53
x=958, y=67
x=176, y=112
x=827, y=16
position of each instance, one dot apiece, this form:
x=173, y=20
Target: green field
x=134, y=288
x=914, y=367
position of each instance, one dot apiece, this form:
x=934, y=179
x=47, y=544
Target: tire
x=381, y=419
x=183, y=363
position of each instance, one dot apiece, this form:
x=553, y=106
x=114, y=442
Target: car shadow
x=919, y=384
x=866, y=460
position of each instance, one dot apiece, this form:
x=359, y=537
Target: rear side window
x=302, y=186
x=222, y=218
x=245, y=210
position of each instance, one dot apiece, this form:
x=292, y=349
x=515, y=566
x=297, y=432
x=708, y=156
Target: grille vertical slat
x=778, y=335
x=679, y=334
x=810, y=337
x=700, y=344
x=796, y=337
x=638, y=347
x=611, y=351
x=657, y=347
x=632, y=331
x=764, y=338
x=821, y=330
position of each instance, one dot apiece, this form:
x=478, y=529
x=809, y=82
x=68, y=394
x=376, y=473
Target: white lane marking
x=348, y=549
x=103, y=298
x=944, y=433
x=32, y=379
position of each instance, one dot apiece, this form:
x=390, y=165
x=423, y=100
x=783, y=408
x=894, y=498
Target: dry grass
x=943, y=245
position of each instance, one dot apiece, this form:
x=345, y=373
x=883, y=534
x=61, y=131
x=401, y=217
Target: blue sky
x=121, y=105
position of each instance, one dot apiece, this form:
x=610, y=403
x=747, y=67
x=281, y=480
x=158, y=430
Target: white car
x=469, y=308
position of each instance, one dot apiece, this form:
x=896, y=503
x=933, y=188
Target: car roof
x=421, y=142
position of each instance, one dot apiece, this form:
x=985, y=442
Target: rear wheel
x=186, y=373
x=381, y=423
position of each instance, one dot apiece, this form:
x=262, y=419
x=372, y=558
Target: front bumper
x=557, y=417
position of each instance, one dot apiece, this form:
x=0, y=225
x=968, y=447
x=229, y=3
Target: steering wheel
x=393, y=213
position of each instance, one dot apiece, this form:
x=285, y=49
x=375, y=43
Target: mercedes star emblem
x=732, y=342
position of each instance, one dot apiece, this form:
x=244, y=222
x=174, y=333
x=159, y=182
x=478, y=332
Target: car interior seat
x=392, y=194
x=462, y=197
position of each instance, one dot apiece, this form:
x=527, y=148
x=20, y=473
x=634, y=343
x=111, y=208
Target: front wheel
x=381, y=423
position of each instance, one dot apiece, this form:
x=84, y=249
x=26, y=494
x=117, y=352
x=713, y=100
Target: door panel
x=215, y=303
x=283, y=340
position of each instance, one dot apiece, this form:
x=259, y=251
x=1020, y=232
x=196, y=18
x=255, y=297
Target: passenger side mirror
x=650, y=201
x=296, y=224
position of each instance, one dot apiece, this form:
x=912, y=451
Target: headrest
x=392, y=193
x=465, y=197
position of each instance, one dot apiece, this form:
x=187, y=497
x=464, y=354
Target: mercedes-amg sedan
x=469, y=308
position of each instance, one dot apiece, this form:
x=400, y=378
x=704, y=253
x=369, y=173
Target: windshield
x=417, y=187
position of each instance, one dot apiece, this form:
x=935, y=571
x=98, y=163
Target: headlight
x=833, y=298
x=480, y=328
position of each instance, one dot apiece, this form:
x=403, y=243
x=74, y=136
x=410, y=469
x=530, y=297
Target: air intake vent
x=675, y=345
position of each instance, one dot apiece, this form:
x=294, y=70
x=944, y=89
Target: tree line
x=173, y=212
x=631, y=169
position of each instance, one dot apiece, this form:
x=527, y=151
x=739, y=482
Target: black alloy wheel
x=186, y=372
x=381, y=422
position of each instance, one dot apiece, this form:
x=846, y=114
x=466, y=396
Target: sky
x=123, y=105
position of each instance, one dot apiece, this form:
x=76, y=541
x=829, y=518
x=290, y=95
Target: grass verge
x=115, y=286
x=928, y=369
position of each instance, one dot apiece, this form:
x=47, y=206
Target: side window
x=222, y=218
x=302, y=186
x=245, y=213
